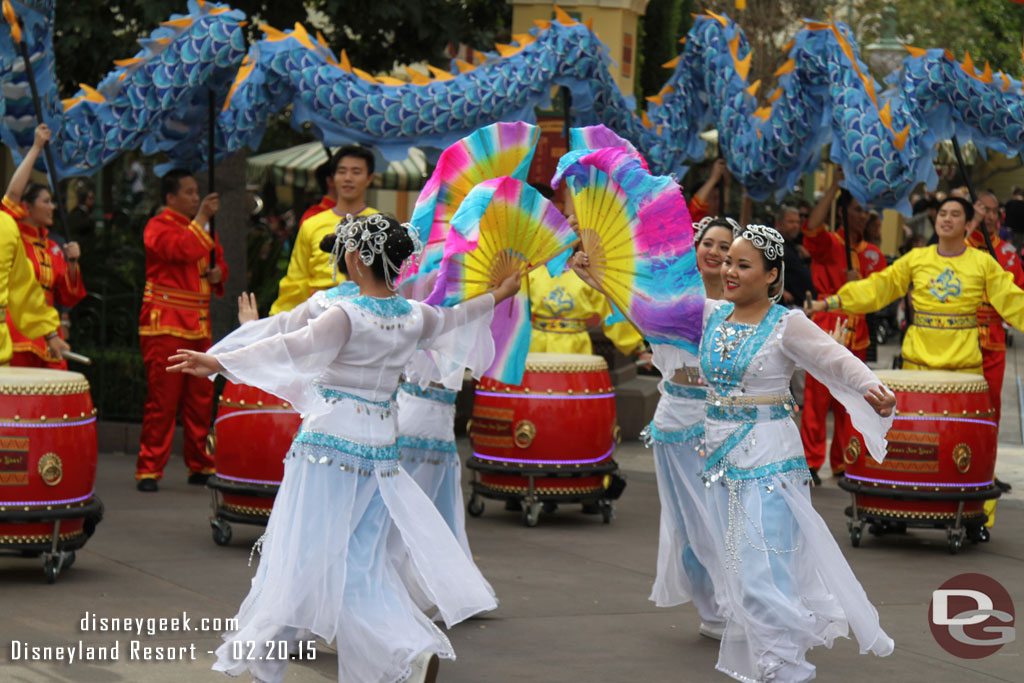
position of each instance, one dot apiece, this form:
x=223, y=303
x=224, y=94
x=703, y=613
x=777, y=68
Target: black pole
x=721, y=181
x=566, y=115
x=51, y=167
x=970, y=190
x=846, y=237
x=211, y=163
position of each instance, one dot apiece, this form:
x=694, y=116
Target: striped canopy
x=295, y=167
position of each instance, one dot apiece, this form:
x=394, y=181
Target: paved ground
x=573, y=591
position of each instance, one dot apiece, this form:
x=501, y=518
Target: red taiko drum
x=942, y=450
x=560, y=419
x=254, y=431
x=47, y=458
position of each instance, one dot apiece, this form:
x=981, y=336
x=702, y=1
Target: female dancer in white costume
x=326, y=567
x=787, y=586
x=676, y=434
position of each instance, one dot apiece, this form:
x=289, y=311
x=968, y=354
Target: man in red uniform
x=325, y=180
x=176, y=315
x=990, y=325
x=829, y=273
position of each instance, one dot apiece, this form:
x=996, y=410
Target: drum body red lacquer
x=47, y=453
x=561, y=417
x=943, y=440
x=254, y=432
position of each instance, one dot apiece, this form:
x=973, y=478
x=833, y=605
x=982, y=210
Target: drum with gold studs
x=47, y=462
x=940, y=464
x=549, y=439
x=253, y=432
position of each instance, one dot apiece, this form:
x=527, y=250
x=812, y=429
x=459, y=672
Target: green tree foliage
x=992, y=30
x=661, y=27
x=376, y=34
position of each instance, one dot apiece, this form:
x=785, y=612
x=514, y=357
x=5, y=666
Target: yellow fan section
x=501, y=163
x=512, y=239
x=606, y=234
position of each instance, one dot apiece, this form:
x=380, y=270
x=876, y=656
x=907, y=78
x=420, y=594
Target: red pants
x=27, y=359
x=817, y=402
x=994, y=366
x=166, y=393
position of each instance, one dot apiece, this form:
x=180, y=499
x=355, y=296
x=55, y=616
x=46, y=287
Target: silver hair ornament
x=701, y=226
x=769, y=241
x=367, y=237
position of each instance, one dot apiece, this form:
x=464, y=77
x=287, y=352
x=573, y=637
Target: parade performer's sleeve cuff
x=833, y=303
x=14, y=208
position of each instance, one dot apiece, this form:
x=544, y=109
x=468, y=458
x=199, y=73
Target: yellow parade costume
x=309, y=269
x=947, y=291
x=20, y=292
x=561, y=307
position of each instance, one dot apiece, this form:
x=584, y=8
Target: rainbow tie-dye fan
x=637, y=231
x=503, y=226
x=494, y=151
x=600, y=136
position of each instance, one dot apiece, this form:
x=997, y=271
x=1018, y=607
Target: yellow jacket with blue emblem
x=947, y=291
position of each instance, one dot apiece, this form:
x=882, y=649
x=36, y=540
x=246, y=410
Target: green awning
x=296, y=166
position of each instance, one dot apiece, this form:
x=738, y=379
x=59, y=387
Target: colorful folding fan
x=503, y=226
x=500, y=149
x=598, y=137
x=637, y=232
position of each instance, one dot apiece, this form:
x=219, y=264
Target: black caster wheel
x=956, y=543
x=984, y=534
x=69, y=559
x=550, y=507
x=475, y=506
x=855, y=534
x=531, y=514
x=221, y=531
x=607, y=511
x=50, y=570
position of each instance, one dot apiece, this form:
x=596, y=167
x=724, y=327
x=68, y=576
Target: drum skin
x=47, y=450
x=943, y=440
x=254, y=432
x=561, y=417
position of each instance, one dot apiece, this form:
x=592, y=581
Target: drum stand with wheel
x=533, y=498
x=226, y=512
x=957, y=527
x=57, y=553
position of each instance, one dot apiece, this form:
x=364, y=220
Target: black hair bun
x=328, y=242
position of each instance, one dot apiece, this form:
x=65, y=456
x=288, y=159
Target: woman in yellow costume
x=950, y=280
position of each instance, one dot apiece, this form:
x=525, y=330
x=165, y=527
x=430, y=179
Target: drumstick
x=77, y=357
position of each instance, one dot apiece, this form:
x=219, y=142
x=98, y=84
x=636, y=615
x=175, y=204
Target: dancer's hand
x=42, y=136
x=247, y=308
x=508, y=287
x=882, y=400
x=841, y=331
x=194, y=363
x=57, y=346
x=580, y=263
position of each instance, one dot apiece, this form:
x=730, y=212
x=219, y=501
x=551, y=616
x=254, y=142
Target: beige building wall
x=614, y=21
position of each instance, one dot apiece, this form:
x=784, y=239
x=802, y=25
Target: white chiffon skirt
x=327, y=564
x=686, y=547
x=426, y=447
x=787, y=586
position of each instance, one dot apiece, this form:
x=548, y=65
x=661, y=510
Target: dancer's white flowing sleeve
x=255, y=330
x=845, y=376
x=453, y=340
x=288, y=365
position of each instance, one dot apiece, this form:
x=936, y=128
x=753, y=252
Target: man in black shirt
x=798, y=275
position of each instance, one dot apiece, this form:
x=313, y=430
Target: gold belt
x=175, y=298
x=945, y=321
x=559, y=325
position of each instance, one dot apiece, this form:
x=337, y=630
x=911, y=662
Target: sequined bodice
x=728, y=348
